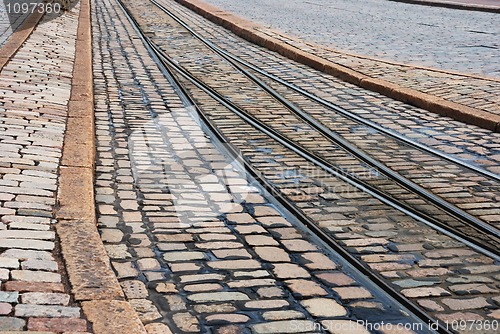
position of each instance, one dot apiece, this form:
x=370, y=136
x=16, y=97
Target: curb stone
x=93, y=282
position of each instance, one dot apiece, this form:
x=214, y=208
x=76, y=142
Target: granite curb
x=250, y=31
x=93, y=282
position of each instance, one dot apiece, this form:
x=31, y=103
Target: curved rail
x=340, y=141
x=164, y=65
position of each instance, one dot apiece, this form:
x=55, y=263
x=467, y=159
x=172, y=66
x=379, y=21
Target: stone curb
x=93, y=282
x=17, y=39
x=452, y=5
x=249, y=31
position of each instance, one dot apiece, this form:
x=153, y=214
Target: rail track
x=408, y=198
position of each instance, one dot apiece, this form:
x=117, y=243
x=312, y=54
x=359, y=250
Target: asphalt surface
x=443, y=38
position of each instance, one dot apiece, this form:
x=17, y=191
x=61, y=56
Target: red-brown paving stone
x=57, y=324
x=353, y=293
x=458, y=316
x=318, y=261
x=335, y=279
x=33, y=286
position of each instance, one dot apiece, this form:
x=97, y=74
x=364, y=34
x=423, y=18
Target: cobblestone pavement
x=11, y=19
x=176, y=218
x=436, y=37
x=476, y=92
x=413, y=164
x=35, y=88
x=463, y=141
x=195, y=246
x=339, y=209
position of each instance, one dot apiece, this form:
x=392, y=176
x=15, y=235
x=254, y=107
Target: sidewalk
x=54, y=271
x=467, y=98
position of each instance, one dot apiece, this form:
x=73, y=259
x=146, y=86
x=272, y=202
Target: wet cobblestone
x=196, y=233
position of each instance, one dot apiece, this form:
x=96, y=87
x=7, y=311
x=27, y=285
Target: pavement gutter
x=250, y=31
x=93, y=282
x=18, y=37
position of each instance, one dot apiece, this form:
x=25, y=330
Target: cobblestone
x=195, y=216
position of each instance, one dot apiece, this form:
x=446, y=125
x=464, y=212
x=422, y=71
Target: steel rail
x=375, y=279
x=332, y=106
x=339, y=140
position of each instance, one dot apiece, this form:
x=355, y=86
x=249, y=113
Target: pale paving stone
x=318, y=261
x=271, y=292
x=166, y=288
x=47, y=265
x=146, y=310
x=46, y=311
x=466, y=304
x=305, y=288
x=323, y=307
x=41, y=298
x=157, y=328
x=289, y=270
x=256, y=273
x=251, y=283
x=35, y=276
x=214, y=308
x=11, y=324
x=283, y=315
x=266, y=304
x=175, y=303
x=26, y=244
x=260, y=240
x=272, y=254
x=217, y=297
x=430, y=305
x=27, y=226
x=353, y=293
x=425, y=292
x=20, y=234
x=411, y=283
x=9, y=297
x=125, y=270
x=118, y=252
x=4, y=274
x=203, y=287
x=186, y=322
x=111, y=235
x=148, y=264
x=226, y=318
x=183, y=256
x=482, y=269
x=6, y=262
x=235, y=264
x=201, y=277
